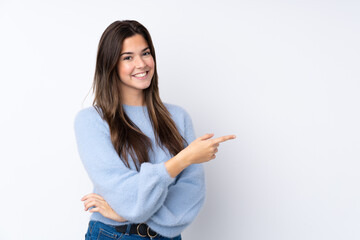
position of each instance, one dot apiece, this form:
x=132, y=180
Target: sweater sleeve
x=135, y=196
x=185, y=198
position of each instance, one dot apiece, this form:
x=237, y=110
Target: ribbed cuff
x=164, y=174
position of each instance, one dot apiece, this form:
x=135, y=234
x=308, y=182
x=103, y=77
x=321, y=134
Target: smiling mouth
x=140, y=75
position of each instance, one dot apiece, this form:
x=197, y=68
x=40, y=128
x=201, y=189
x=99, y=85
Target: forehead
x=134, y=43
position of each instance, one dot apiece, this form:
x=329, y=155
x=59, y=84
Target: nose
x=140, y=63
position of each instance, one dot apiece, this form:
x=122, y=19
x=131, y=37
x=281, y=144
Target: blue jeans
x=101, y=231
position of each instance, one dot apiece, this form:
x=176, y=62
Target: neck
x=133, y=103
x=133, y=98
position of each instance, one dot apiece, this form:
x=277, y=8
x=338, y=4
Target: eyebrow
x=132, y=52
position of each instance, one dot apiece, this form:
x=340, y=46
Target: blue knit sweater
x=168, y=205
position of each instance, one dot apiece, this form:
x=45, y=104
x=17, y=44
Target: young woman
x=140, y=153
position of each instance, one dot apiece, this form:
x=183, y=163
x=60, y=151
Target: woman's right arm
x=133, y=195
x=201, y=150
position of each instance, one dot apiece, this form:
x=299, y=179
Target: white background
x=281, y=75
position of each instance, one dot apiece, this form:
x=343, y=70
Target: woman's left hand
x=101, y=206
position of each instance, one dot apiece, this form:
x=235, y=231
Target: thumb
x=206, y=136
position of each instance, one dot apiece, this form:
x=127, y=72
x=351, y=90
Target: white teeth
x=140, y=74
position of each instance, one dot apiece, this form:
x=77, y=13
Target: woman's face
x=136, y=65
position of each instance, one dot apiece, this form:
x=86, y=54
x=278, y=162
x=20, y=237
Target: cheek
x=151, y=62
x=125, y=69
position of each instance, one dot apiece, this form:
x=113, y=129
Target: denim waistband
x=97, y=228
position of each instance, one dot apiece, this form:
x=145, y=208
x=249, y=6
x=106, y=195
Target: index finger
x=94, y=195
x=223, y=138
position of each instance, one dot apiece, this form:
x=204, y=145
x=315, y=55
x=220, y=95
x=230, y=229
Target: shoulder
x=176, y=111
x=87, y=116
x=180, y=116
x=183, y=120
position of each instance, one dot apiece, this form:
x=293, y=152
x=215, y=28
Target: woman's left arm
x=98, y=204
x=184, y=200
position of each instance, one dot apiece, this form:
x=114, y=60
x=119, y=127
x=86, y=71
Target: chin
x=147, y=85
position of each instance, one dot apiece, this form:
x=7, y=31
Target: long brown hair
x=126, y=137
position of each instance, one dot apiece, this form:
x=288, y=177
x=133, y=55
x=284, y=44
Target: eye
x=147, y=53
x=127, y=58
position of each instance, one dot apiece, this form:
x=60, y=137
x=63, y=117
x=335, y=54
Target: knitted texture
x=168, y=205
